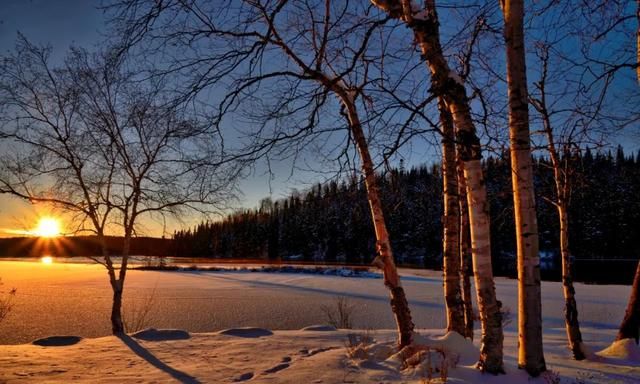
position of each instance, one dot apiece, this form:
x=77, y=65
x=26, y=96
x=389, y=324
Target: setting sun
x=47, y=227
x=47, y=260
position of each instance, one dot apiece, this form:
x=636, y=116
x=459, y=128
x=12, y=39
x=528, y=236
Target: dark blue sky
x=60, y=23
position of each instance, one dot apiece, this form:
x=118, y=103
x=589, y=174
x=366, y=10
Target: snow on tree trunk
x=451, y=254
x=630, y=326
x=384, y=259
x=465, y=252
x=530, y=353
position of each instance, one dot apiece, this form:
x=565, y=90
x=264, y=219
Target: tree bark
x=451, y=220
x=384, y=259
x=447, y=84
x=630, y=326
x=466, y=270
x=572, y=325
x=530, y=352
x=117, y=326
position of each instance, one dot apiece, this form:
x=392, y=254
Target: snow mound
x=153, y=334
x=248, y=332
x=320, y=327
x=454, y=342
x=57, y=341
x=625, y=349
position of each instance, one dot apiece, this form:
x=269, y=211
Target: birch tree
x=560, y=158
x=466, y=269
x=451, y=222
x=530, y=351
x=306, y=56
x=447, y=84
x=90, y=140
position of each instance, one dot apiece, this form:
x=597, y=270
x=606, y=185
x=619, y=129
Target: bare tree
x=560, y=162
x=89, y=139
x=288, y=67
x=446, y=83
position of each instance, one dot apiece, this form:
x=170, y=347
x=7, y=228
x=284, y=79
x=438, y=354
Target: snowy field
x=74, y=299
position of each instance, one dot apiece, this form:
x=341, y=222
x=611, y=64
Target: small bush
x=357, y=344
x=431, y=362
x=6, y=302
x=136, y=313
x=340, y=313
x=551, y=377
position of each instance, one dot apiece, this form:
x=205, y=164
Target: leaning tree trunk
x=530, y=352
x=630, y=326
x=447, y=84
x=384, y=259
x=466, y=270
x=451, y=218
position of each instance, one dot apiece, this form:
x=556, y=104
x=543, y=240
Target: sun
x=47, y=227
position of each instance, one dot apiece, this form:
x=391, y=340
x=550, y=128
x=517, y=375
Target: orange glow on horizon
x=46, y=260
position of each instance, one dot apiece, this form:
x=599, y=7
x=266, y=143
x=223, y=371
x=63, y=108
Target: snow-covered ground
x=74, y=299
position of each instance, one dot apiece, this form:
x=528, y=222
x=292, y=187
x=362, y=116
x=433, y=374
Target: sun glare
x=46, y=260
x=47, y=227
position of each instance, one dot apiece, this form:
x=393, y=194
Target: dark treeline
x=331, y=223
x=81, y=246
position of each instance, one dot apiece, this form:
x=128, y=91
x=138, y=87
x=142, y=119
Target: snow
x=272, y=330
x=293, y=356
x=454, y=75
x=625, y=349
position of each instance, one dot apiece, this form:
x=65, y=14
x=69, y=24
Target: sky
x=65, y=23
x=62, y=23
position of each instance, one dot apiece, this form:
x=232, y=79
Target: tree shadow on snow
x=332, y=292
x=151, y=359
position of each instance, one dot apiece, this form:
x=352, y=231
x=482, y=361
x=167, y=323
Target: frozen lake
x=75, y=299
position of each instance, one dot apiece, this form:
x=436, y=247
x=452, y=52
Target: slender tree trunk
x=451, y=219
x=572, y=325
x=117, y=284
x=466, y=270
x=384, y=259
x=117, y=326
x=630, y=326
x=570, y=307
x=530, y=352
x=448, y=84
